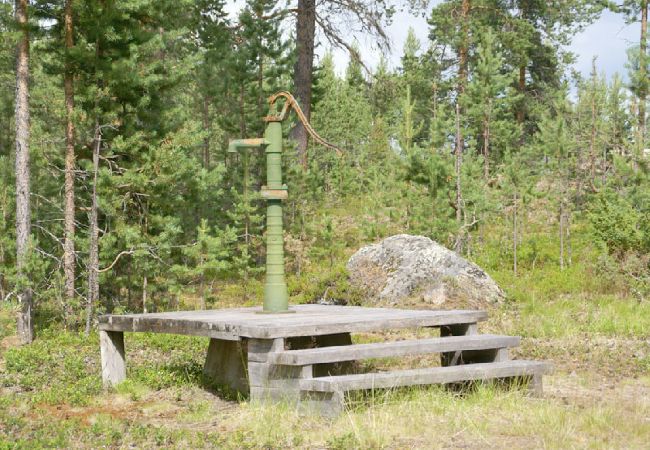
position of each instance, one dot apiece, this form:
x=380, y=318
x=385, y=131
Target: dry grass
x=577, y=412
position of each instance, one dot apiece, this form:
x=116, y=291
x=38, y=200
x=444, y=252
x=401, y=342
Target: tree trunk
x=459, y=196
x=206, y=129
x=594, y=130
x=521, y=113
x=643, y=67
x=242, y=111
x=4, y=207
x=514, y=233
x=202, y=284
x=486, y=146
x=93, y=250
x=144, y=294
x=302, y=77
x=25, y=325
x=69, y=209
x=567, y=231
x=463, y=51
x=562, y=234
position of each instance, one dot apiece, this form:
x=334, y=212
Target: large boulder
x=405, y=269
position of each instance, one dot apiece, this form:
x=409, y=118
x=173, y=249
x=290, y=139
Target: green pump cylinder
x=276, y=298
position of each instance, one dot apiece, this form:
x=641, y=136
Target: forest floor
x=599, y=396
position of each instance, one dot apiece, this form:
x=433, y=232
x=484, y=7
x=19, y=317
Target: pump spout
x=236, y=144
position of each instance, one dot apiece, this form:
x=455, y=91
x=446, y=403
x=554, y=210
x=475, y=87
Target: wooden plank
x=434, y=375
x=362, y=324
x=309, y=320
x=113, y=358
x=262, y=374
x=171, y=326
x=259, y=372
x=259, y=349
x=390, y=349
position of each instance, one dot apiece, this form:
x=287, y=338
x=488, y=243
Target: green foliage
x=208, y=259
x=616, y=223
x=169, y=82
x=330, y=287
x=59, y=368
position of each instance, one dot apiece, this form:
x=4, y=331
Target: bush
x=616, y=223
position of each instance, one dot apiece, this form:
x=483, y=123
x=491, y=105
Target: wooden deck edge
x=182, y=327
x=214, y=329
x=435, y=375
x=393, y=349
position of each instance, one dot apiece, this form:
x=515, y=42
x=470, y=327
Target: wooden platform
x=306, y=320
x=307, y=356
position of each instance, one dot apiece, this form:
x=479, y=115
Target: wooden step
x=389, y=349
x=434, y=375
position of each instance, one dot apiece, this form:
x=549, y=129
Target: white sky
x=607, y=39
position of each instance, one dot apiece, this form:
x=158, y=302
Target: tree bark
x=562, y=234
x=25, y=325
x=302, y=77
x=69, y=209
x=144, y=294
x=463, y=52
x=514, y=232
x=459, y=196
x=643, y=66
x=521, y=113
x=202, y=283
x=486, y=144
x=206, y=129
x=4, y=207
x=93, y=251
x=594, y=130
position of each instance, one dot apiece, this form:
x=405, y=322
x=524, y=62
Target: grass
x=412, y=418
x=51, y=397
x=597, y=337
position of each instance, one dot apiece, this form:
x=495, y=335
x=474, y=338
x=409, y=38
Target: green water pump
x=276, y=297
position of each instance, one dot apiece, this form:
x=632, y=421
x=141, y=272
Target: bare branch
x=117, y=258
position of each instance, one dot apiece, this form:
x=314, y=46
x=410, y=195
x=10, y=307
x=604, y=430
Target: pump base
x=288, y=311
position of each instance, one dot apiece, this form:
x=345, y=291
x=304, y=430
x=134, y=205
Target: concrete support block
x=327, y=340
x=328, y=404
x=225, y=363
x=462, y=329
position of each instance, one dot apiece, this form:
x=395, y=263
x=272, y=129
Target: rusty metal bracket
x=291, y=102
x=275, y=194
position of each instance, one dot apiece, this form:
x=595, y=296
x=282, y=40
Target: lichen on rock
x=402, y=269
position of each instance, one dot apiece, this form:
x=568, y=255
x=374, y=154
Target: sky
x=608, y=39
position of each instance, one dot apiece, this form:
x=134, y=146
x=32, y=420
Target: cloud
x=608, y=39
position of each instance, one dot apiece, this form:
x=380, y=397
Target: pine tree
x=417, y=78
x=25, y=325
x=69, y=260
x=329, y=17
x=488, y=101
x=591, y=125
x=343, y=117
x=555, y=140
x=639, y=60
x=207, y=259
